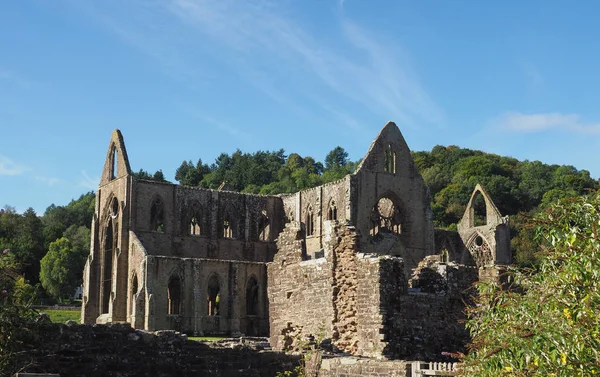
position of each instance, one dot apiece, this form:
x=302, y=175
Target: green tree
x=24, y=235
x=336, y=158
x=16, y=314
x=189, y=175
x=61, y=268
x=158, y=175
x=545, y=322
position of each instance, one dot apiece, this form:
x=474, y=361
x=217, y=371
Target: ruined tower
x=484, y=231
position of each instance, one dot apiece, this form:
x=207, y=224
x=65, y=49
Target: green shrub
x=546, y=322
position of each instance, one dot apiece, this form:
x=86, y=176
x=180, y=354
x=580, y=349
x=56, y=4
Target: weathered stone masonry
x=357, y=260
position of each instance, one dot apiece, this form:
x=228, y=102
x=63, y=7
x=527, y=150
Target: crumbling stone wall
x=300, y=292
x=363, y=300
x=488, y=243
x=343, y=241
x=433, y=275
x=372, y=301
x=422, y=326
x=396, y=324
x=361, y=367
x=120, y=351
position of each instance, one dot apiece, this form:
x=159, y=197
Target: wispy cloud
x=205, y=119
x=519, y=122
x=268, y=47
x=88, y=182
x=9, y=167
x=365, y=68
x=50, y=181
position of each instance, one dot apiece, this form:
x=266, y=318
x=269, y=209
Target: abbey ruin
x=356, y=261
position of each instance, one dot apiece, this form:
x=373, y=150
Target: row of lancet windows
x=196, y=226
x=310, y=217
x=213, y=296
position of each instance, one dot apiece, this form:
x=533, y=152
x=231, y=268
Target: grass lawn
x=61, y=316
x=209, y=338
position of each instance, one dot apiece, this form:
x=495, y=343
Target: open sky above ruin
x=189, y=79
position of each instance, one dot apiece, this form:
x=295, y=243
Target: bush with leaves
x=16, y=314
x=61, y=268
x=546, y=320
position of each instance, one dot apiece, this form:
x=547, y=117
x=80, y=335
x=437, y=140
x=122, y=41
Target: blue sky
x=189, y=79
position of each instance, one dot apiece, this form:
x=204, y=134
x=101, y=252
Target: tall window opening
x=114, y=207
x=196, y=223
x=213, y=296
x=389, y=160
x=252, y=297
x=310, y=221
x=227, y=228
x=332, y=212
x=264, y=227
x=194, y=226
x=385, y=218
x=134, y=289
x=108, y=267
x=174, y=293
x=478, y=210
x=157, y=216
x=113, y=163
x=444, y=256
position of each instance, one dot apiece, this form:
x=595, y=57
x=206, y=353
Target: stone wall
x=210, y=208
x=396, y=324
x=120, y=351
x=343, y=241
x=361, y=367
x=300, y=292
x=362, y=301
x=433, y=275
x=389, y=172
x=373, y=301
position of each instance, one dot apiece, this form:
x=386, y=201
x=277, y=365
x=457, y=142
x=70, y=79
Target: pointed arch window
x=252, y=297
x=134, y=289
x=264, y=227
x=174, y=293
x=227, y=228
x=478, y=210
x=113, y=163
x=107, y=267
x=196, y=221
x=310, y=221
x=194, y=226
x=332, y=211
x=157, y=216
x=213, y=296
x=114, y=208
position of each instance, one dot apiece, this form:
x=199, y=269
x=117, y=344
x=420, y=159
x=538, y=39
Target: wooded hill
x=518, y=188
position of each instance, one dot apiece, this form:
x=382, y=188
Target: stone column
x=149, y=309
x=234, y=302
x=197, y=299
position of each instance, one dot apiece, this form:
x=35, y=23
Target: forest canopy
x=518, y=188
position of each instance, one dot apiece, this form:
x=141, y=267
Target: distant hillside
x=519, y=188
x=515, y=186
